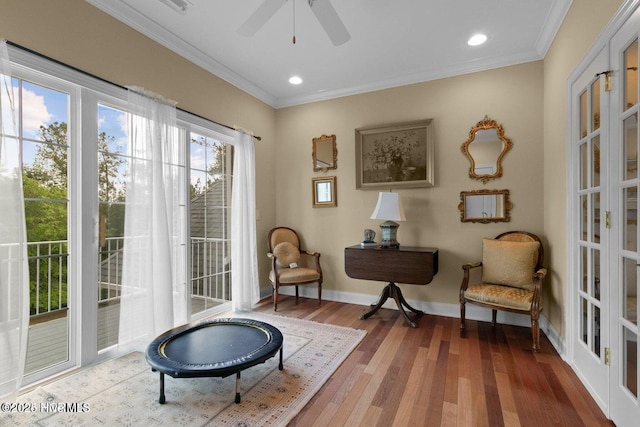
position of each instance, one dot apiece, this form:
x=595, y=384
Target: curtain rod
x=33, y=52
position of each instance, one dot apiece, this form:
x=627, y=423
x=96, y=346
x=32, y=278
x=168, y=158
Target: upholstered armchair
x=511, y=278
x=290, y=265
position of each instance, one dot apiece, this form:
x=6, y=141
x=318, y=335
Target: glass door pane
x=112, y=152
x=210, y=223
x=44, y=123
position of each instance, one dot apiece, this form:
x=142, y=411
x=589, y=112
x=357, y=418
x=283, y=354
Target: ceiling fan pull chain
x=294, y=21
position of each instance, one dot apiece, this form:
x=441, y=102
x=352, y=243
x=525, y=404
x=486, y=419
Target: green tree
x=50, y=162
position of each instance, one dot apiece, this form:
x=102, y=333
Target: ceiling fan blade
x=330, y=21
x=262, y=14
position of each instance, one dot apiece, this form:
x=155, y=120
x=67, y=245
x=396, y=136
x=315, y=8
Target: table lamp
x=389, y=208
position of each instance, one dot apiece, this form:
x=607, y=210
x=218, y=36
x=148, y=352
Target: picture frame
x=398, y=155
x=324, y=192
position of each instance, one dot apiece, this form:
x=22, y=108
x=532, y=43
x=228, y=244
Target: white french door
x=624, y=257
x=589, y=151
x=604, y=236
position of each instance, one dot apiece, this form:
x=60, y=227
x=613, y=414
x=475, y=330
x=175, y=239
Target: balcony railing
x=48, y=264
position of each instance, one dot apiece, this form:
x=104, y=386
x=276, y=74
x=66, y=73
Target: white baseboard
x=435, y=308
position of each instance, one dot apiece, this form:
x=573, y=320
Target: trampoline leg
x=162, y=398
x=238, y=387
x=280, y=366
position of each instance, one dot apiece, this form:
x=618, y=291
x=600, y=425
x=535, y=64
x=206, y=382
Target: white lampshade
x=389, y=207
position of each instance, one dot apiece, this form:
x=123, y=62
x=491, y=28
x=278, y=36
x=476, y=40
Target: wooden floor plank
x=415, y=382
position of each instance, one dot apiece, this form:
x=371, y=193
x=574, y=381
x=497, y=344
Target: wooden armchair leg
x=535, y=332
x=494, y=314
x=319, y=293
x=275, y=298
x=462, y=316
x=296, y=294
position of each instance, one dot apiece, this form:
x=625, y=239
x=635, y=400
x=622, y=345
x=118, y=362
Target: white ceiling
x=393, y=42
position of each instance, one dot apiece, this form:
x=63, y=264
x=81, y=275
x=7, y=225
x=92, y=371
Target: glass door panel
x=630, y=361
x=630, y=220
x=630, y=83
x=630, y=136
x=595, y=217
x=210, y=223
x=583, y=166
x=630, y=278
x=112, y=159
x=44, y=122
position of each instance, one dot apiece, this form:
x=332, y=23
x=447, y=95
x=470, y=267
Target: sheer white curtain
x=153, y=297
x=245, y=289
x=14, y=269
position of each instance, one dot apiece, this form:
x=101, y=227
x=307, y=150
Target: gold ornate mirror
x=485, y=206
x=325, y=153
x=485, y=149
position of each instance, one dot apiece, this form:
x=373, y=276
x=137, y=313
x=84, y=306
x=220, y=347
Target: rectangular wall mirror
x=485, y=206
x=324, y=192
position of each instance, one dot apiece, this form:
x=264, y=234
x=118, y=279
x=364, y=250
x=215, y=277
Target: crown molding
x=551, y=25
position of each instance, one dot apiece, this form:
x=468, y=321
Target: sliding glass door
x=74, y=149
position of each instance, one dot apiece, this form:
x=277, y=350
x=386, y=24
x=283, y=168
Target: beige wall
x=582, y=26
x=78, y=34
x=512, y=96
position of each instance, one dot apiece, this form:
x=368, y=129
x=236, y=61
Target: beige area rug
x=124, y=391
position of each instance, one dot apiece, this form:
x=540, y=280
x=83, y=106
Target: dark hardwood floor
x=431, y=376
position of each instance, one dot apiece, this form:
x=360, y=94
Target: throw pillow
x=509, y=263
x=286, y=254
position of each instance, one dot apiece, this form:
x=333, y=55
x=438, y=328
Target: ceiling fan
x=322, y=9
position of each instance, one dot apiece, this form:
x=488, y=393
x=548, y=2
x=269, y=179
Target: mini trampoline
x=215, y=348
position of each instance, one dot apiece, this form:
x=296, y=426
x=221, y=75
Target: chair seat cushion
x=295, y=275
x=504, y=296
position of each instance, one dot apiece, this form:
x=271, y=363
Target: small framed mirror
x=485, y=148
x=324, y=153
x=485, y=206
x=324, y=192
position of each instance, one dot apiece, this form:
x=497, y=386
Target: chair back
x=283, y=234
x=524, y=236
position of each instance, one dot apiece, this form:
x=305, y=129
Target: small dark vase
x=395, y=169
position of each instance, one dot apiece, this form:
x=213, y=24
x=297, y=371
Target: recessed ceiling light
x=295, y=80
x=477, y=40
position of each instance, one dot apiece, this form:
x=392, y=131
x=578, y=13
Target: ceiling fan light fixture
x=477, y=39
x=295, y=80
